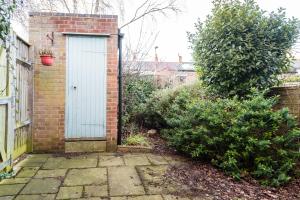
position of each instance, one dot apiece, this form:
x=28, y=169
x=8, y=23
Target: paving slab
x=124, y=180
x=14, y=181
x=96, y=191
x=51, y=173
x=92, y=176
x=173, y=197
x=65, y=163
x=136, y=159
x=36, y=197
x=118, y=198
x=70, y=192
x=105, y=161
x=53, y=163
x=10, y=190
x=94, y=198
x=7, y=198
x=156, y=159
x=42, y=186
x=85, y=155
x=79, y=163
x=148, y=197
x=152, y=178
x=27, y=172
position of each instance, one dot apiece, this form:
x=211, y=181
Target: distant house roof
x=295, y=66
x=161, y=66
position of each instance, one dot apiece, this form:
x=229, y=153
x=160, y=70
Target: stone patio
x=91, y=176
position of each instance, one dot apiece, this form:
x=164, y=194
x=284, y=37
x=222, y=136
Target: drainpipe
x=120, y=37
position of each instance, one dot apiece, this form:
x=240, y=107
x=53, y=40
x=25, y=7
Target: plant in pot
x=47, y=57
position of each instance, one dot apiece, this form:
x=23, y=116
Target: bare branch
x=152, y=7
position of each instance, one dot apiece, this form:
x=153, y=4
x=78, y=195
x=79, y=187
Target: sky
x=172, y=38
x=171, y=30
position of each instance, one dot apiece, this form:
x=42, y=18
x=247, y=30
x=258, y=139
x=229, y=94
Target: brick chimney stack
x=156, y=56
x=179, y=58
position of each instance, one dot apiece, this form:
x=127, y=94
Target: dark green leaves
x=239, y=136
x=240, y=46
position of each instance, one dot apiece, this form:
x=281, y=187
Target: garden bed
x=202, y=179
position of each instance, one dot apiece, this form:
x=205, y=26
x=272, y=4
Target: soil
x=202, y=179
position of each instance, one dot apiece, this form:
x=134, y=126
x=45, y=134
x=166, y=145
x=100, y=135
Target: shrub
x=136, y=92
x=136, y=140
x=242, y=137
x=167, y=103
x=240, y=47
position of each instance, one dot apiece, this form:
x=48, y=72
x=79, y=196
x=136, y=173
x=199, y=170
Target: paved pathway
x=91, y=176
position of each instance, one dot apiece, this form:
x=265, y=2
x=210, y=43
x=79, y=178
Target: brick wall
x=289, y=97
x=49, y=82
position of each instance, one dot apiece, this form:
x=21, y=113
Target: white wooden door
x=86, y=87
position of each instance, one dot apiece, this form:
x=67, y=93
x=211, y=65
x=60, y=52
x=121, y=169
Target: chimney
x=179, y=58
x=156, y=56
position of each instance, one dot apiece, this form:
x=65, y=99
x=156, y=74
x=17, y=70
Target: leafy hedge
x=242, y=137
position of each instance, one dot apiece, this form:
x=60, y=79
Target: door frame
x=71, y=34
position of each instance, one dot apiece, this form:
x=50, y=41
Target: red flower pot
x=47, y=60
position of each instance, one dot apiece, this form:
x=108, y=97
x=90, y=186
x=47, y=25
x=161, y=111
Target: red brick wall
x=49, y=82
x=289, y=97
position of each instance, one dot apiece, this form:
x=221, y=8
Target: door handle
x=74, y=87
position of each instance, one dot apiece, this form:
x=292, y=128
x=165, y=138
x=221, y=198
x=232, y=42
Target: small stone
x=69, y=192
x=152, y=132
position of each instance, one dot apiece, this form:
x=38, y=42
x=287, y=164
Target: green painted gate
x=15, y=102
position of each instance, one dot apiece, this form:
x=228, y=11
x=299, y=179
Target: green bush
x=240, y=47
x=136, y=91
x=242, y=137
x=169, y=103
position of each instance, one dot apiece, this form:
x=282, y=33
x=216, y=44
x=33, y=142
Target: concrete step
x=85, y=146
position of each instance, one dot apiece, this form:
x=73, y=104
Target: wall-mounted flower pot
x=47, y=60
